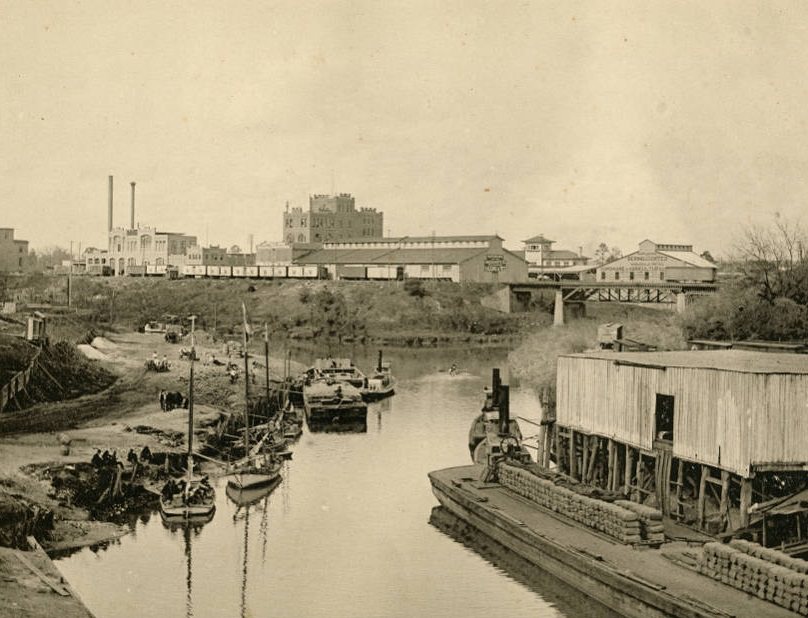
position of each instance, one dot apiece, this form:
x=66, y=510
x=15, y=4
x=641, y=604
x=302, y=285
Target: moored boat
x=244, y=496
x=488, y=431
x=190, y=499
x=339, y=370
x=260, y=466
x=380, y=383
x=590, y=537
x=327, y=402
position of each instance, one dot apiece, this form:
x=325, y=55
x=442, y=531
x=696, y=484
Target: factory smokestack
x=109, y=209
x=132, y=221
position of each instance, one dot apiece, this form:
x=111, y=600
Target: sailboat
x=259, y=467
x=190, y=498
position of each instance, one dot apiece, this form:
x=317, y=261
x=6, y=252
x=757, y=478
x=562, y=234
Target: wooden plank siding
x=723, y=418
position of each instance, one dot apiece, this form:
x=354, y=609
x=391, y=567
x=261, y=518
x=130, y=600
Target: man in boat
x=97, y=461
x=453, y=369
x=145, y=454
x=164, y=363
x=163, y=400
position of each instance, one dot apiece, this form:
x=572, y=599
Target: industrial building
x=451, y=258
x=13, y=252
x=658, y=262
x=331, y=218
x=269, y=253
x=143, y=250
x=700, y=434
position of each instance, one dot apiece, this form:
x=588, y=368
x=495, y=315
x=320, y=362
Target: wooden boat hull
x=250, y=495
x=497, y=514
x=376, y=395
x=252, y=480
x=187, y=512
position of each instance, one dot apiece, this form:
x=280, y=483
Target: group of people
x=107, y=458
x=196, y=494
x=159, y=364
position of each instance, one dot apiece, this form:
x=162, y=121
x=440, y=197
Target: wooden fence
x=18, y=382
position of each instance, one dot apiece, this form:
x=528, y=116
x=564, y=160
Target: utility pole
x=69, y=276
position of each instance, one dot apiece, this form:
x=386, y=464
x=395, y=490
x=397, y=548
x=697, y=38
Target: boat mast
x=266, y=362
x=191, y=408
x=246, y=388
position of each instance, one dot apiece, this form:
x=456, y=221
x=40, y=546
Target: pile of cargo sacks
x=625, y=521
x=767, y=573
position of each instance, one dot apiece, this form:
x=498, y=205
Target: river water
x=347, y=533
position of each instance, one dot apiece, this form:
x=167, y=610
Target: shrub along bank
x=362, y=310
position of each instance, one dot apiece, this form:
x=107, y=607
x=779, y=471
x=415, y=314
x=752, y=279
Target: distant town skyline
x=677, y=121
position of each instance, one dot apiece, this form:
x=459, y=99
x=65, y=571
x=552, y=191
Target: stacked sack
x=618, y=522
x=767, y=573
x=651, y=526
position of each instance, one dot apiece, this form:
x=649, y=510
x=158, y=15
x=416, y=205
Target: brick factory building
x=331, y=218
x=13, y=253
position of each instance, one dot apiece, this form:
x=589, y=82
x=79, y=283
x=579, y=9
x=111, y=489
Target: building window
x=616, y=276
x=664, y=417
x=661, y=275
x=602, y=275
x=646, y=276
x=631, y=275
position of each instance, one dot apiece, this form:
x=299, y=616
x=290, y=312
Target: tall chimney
x=132, y=221
x=109, y=209
x=496, y=382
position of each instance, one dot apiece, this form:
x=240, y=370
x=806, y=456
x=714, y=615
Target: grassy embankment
x=534, y=362
x=394, y=313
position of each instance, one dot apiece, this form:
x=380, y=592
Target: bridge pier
x=558, y=309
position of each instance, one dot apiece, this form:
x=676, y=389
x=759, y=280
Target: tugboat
x=327, y=402
x=191, y=499
x=380, y=383
x=487, y=432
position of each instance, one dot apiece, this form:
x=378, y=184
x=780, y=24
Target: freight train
x=228, y=272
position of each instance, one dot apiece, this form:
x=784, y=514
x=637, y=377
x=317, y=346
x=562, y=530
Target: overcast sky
x=586, y=122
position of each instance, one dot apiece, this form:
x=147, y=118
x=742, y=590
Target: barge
x=328, y=403
x=645, y=531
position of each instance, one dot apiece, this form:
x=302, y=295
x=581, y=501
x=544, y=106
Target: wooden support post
x=639, y=480
x=746, y=501
x=629, y=470
x=573, y=456
x=724, y=498
x=594, y=441
x=610, y=471
x=680, y=477
x=705, y=471
x=557, y=440
x=548, y=442
x=584, y=456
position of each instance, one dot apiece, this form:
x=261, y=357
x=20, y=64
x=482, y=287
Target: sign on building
x=495, y=263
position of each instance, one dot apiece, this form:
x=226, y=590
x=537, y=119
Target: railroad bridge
x=574, y=291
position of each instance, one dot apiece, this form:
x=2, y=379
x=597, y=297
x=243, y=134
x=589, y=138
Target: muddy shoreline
x=125, y=415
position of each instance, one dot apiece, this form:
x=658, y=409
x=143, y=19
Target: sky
x=586, y=122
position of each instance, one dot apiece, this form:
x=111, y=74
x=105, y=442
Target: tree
x=603, y=254
x=707, y=256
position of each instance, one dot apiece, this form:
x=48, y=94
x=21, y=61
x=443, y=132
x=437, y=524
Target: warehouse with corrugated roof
x=450, y=258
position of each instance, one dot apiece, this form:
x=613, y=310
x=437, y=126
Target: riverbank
x=126, y=415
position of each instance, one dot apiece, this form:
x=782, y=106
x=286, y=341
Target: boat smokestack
x=380, y=362
x=504, y=410
x=109, y=207
x=132, y=217
x=496, y=383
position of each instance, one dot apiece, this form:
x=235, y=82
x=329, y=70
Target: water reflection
x=346, y=531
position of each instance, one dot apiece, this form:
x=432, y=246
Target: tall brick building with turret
x=331, y=218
